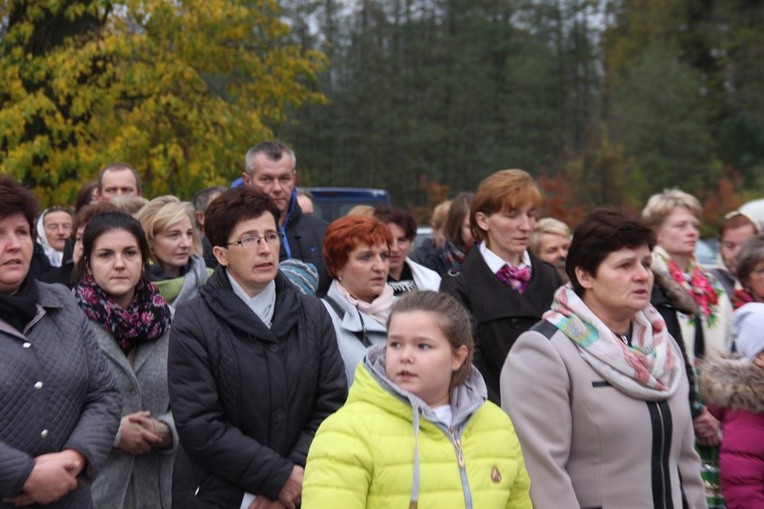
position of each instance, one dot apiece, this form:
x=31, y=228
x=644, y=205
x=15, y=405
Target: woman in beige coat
x=597, y=390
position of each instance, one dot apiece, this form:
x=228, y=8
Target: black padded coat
x=248, y=400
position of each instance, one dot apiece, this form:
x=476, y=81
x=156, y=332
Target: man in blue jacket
x=270, y=167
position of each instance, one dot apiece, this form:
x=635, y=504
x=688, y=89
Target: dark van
x=333, y=202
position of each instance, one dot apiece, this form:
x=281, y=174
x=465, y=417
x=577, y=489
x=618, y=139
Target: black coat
x=429, y=255
x=305, y=234
x=247, y=400
x=501, y=314
x=668, y=298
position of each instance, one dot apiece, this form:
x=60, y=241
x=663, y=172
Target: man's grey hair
x=273, y=150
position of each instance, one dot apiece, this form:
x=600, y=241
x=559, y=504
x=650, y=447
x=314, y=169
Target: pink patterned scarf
x=650, y=369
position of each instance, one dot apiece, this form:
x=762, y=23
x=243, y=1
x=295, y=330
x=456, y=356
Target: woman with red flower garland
x=131, y=322
x=694, y=302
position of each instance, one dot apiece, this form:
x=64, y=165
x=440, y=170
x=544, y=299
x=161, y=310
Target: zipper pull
x=459, y=452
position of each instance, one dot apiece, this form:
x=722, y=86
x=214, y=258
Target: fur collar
x=732, y=381
x=674, y=292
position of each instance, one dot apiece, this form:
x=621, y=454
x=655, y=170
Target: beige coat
x=588, y=445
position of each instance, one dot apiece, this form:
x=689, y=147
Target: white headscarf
x=54, y=256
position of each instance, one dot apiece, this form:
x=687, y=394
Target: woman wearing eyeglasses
x=253, y=368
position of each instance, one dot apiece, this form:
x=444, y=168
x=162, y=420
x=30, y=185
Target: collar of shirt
x=262, y=304
x=495, y=262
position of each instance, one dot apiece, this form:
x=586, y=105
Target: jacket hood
x=220, y=298
x=465, y=398
x=732, y=381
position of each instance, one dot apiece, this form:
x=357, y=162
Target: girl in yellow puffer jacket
x=416, y=430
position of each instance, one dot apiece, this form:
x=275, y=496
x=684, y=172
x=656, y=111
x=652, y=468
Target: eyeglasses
x=272, y=238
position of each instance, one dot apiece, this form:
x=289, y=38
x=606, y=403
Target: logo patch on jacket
x=495, y=474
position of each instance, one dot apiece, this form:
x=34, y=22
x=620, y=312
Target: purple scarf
x=147, y=319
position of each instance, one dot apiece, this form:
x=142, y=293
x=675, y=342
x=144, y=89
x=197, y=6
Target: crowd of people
x=237, y=351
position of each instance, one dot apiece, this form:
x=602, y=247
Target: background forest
x=603, y=101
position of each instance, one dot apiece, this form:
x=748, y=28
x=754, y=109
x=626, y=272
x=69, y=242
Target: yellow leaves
x=180, y=89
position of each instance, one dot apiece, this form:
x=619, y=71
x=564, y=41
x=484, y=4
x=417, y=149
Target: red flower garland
x=698, y=286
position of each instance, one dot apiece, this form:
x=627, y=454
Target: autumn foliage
x=178, y=89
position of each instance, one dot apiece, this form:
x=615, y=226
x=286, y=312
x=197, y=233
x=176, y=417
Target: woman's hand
x=291, y=493
x=53, y=476
x=137, y=435
x=262, y=502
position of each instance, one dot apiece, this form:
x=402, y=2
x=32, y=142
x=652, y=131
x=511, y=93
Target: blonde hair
x=547, y=226
x=129, y=204
x=439, y=213
x=161, y=213
x=661, y=205
x=361, y=210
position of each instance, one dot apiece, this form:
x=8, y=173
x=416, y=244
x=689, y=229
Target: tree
x=658, y=112
x=180, y=89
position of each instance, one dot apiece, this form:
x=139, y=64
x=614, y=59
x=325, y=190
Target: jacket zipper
x=663, y=448
x=457, y=443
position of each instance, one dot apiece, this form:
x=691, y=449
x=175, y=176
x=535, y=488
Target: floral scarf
x=147, y=318
x=650, y=369
x=702, y=286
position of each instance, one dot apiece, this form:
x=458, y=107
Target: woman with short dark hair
x=253, y=368
x=597, y=390
x=405, y=274
x=60, y=403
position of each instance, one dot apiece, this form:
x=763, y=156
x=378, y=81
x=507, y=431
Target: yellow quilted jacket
x=364, y=456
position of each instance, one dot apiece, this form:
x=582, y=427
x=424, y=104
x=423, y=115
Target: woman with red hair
x=357, y=251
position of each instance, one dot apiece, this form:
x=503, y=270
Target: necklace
x=625, y=337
